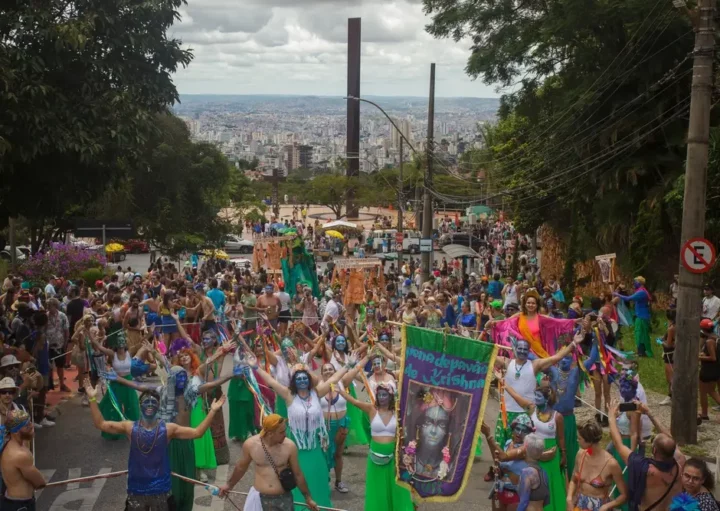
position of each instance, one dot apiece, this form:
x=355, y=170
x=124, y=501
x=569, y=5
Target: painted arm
x=528, y=478
x=102, y=349
x=593, y=358
x=110, y=427
x=389, y=355
x=632, y=298
x=185, y=433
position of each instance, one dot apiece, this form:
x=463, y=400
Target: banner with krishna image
x=443, y=389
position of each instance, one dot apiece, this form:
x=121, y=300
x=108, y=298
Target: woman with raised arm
x=383, y=493
x=119, y=402
x=306, y=423
x=337, y=419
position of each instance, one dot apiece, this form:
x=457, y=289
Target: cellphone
x=627, y=407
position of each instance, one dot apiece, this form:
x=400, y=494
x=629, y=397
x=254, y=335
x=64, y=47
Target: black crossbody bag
x=287, y=478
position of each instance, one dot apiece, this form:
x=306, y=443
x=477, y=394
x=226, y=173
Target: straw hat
x=9, y=360
x=8, y=383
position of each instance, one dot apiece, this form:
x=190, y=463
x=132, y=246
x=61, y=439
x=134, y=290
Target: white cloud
x=299, y=47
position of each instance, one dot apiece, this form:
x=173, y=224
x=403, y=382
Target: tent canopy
x=456, y=251
x=338, y=225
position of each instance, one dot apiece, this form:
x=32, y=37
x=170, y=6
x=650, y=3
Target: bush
x=62, y=260
x=91, y=276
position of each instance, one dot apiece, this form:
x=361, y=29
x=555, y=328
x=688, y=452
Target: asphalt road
x=74, y=448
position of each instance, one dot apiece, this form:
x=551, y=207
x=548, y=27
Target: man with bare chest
x=270, y=305
x=272, y=453
x=20, y=477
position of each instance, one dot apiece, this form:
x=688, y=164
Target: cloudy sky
x=299, y=47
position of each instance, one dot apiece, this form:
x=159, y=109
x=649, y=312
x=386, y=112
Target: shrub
x=62, y=260
x=91, y=276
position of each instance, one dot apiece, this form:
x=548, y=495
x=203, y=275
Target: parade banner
x=443, y=390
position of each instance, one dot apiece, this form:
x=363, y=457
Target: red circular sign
x=698, y=255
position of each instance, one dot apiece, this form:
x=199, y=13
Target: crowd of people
x=310, y=378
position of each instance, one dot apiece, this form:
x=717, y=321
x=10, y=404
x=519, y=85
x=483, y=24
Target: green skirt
x=357, y=435
x=502, y=435
x=642, y=336
x=317, y=476
x=556, y=479
x=281, y=407
x=572, y=446
x=386, y=494
x=182, y=461
x=204, y=447
x=242, y=410
x=626, y=442
x=127, y=400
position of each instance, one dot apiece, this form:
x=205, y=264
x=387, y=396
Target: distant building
x=405, y=128
x=305, y=156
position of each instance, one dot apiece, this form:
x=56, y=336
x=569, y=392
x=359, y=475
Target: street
x=74, y=448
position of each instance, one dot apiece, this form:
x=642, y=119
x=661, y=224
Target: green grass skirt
x=182, y=461
x=314, y=467
x=241, y=404
x=556, y=479
x=358, y=432
x=626, y=442
x=204, y=447
x=127, y=400
x=572, y=446
x=384, y=494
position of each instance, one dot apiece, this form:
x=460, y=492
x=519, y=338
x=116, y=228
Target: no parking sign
x=698, y=255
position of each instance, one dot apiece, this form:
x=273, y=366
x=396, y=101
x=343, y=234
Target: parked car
x=237, y=244
x=135, y=246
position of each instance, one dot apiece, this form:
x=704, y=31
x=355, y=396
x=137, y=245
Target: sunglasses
x=7, y=392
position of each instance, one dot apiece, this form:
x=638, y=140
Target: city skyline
x=298, y=47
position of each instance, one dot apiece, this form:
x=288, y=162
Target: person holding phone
x=632, y=427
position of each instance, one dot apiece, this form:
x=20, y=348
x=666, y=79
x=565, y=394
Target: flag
x=443, y=391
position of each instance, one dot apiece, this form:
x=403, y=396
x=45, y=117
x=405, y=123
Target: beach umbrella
x=217, y=254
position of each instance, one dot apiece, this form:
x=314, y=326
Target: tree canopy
x=591, y=132
x=81, y=79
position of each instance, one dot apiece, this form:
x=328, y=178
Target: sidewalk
x=55, y=397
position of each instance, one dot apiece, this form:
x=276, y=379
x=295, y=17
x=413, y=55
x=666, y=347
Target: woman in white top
x=306, y=423
x=337, y=420
x=119, y=399
x=383, y=493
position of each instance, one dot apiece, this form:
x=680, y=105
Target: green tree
x=593, y=130
x=331, y=191
x=80, y=81
x=178, y=188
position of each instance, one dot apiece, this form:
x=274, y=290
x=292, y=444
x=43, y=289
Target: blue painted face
x=180, y=381
x=540, y=400
x=149, y=408
x=637, y=285
x=340, y=343
x=302, y=381
x=566, y=363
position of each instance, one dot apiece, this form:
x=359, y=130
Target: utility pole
x=689, y=305
x=427, y=203
x=400, y=205
x=353, y=112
